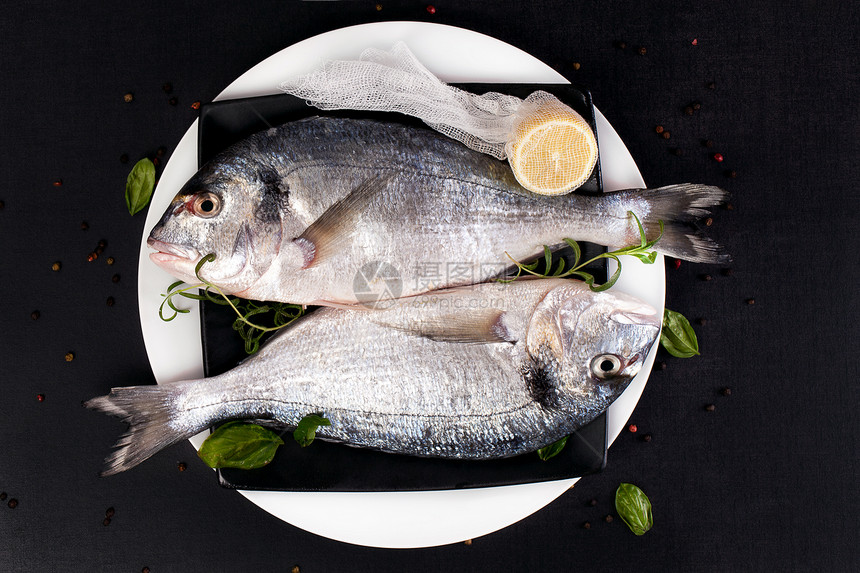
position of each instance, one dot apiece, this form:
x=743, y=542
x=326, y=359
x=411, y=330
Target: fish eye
x=605, y=365
x=207, y=205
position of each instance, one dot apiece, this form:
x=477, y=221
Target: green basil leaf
x=307, y=429
x=239, y=445
x=552, y=450
x=139, y=185
x=634, y=508
x=678, y=337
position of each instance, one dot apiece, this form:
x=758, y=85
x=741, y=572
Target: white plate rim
x=389, y=519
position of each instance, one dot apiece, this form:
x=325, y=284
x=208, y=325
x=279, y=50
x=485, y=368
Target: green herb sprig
x=678, y=337
x=139, y=185
x=552, y=450
x=641, y=251
x=280, y=314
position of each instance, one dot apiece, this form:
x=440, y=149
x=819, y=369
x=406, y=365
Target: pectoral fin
x=482, y=326
x=334, y=230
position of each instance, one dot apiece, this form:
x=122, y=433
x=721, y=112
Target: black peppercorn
x=701, y=321
x=160, y=152
x=642, y=50
x=35, y=315
x=608, y=518
x=661, y=365
x=173, y=101
x=677, y=151
x=731, y=174
x=181, y=466
x=592, y=502
x=621, y=45
x=646, y=438
x=115, y=278
x=707, y=278
x=707, y=142
x=110, y=301
x=109, y=512
x=710, y=85
x=688, y=110
x=586, y=525
x=750, y=301
x=710, y=408
x=13, y=503
x=167, y=87
x=106, y=522
x=144, y=570
x=3, y=496
x=726, y=391
x=696, y=106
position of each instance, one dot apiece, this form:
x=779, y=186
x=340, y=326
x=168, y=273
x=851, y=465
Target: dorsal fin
x=332, y=231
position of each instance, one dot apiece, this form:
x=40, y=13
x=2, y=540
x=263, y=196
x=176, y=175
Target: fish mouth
x=168, y=252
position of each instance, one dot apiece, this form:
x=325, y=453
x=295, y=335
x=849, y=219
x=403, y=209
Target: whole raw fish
x=308, y=211
x=479, y=372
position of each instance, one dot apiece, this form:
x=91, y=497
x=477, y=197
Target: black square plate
x=334, y=467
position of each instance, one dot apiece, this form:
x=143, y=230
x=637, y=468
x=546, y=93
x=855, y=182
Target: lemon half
x=553, y=149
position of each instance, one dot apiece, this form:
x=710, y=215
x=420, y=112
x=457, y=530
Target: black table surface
x=765, y=481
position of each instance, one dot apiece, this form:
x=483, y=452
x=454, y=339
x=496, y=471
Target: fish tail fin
x=678, y=207
x=149, y=412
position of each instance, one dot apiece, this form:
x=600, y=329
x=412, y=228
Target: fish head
x=230, y=209
x=594, y=342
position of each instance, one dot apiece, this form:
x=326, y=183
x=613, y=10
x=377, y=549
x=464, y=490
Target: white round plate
x=389, y=519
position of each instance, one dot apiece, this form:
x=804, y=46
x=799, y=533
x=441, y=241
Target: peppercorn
x=659, y=129
x=730, y=173
x=35, y=315
x=127, y=98
x=160, y=151
x=115, y=278
x=195, y=105
x=110, y=301
x=710, y=408
x=688, y=110
x=750, y=301
x=632, y=428
x=677, y=264
x=727, y=272
x=646, y=438
x=576, y=65
x=167, y=87
x=696, y=105
x=621, y=45
x=707, y=278
x=378, y=7
x=56, y=266
x=718, y=157
x=40, y=397
x=102, y=244
x=726, y=391
x=666, y=135
x=109, y=512
x=3, y=496
x=58, y=183
x=92, y=256
x=431, y=9
x=173, y=101
x=710, y=85
x=110, y=260
x=709, y=221
x=70, y=356
x=467, y=542
x=84, y=226
x=295, y=569
x=608, y=518
x=181, y=466
x=642, y=50
x=144, y=570
x=695, y=42
x=677, y=151
x=701, y=321
x=586, y=525
x=13, y=503
x=123, y=158
x=106, y=522
x=661, y=365
x=708, y=142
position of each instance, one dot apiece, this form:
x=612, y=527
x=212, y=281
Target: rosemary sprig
x=282, y=313
x=640, y=251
